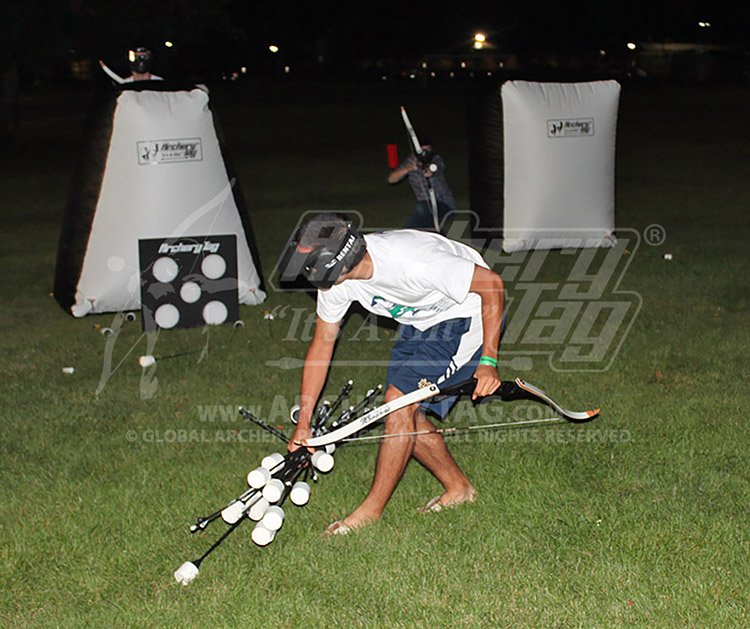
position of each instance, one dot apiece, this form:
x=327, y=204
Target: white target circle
x=213, y=266
x=115, y=264
x=190, y=292
x=215, y=313
x=165, y=269
x=167, y=316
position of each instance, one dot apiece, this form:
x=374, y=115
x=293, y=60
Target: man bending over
x=449, y=306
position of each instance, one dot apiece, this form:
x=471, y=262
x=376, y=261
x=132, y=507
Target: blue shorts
x=444, y=354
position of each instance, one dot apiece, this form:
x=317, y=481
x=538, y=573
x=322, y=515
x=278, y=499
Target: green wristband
x=488, y=360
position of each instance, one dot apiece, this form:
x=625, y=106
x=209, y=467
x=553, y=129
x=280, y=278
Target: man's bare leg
x=394, y=455
x=432, y=452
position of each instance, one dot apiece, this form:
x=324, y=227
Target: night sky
x=224, y=34
x=394, y=30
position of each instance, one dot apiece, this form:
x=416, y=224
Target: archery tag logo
x=169, y=151
x=566, y=307
x=571, y=128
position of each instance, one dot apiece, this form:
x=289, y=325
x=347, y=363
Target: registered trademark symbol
x=654, y=235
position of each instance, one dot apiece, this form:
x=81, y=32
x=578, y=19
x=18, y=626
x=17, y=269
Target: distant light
x=424, y=65
x=273, y=48
x=287, y=69
x=168, y=44
x=463, y=64
x=243, y=69
x=602, y=53
x=704, y=24
x=131, y=56
x=478, y=45
x=631, y=46
x=480, y=37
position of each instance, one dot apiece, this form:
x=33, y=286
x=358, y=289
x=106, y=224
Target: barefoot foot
x=452, y=499
x=348, y=524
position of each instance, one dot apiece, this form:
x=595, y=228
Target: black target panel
x=188, y=282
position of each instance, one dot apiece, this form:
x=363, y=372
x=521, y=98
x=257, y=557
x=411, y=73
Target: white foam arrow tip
x=186, y=573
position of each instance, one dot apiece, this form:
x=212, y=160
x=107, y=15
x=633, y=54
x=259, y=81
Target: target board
x=188, y=282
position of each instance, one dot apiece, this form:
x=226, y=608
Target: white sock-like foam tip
x=273, y=518
x=186, y=573
x=257, y=509
x=273, y=490
x=232, y=513
x=258, y=477
x=300, y=493
x=322, y=461
x=261, y=535
x=272, y=460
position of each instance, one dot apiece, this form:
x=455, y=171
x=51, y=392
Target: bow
x=507, y=392
x=422, y=157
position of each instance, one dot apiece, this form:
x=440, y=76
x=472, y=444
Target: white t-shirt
x=419, y=278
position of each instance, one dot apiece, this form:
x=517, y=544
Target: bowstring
x=438, y=431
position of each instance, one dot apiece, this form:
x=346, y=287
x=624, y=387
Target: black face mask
x=426, y=157
x=141, y=67
x=323, y=266
x=142, y=62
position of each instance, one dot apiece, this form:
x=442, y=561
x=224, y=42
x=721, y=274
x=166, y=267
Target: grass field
x=637, y=520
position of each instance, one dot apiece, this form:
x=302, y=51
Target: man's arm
x=314, y=375
x=489, y=286
x=397, y=174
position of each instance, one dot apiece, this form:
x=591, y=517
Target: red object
x=392, y=155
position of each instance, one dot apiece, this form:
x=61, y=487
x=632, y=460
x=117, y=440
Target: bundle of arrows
x=286, y=476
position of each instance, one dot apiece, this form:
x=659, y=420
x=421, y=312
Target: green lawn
x=637, y=520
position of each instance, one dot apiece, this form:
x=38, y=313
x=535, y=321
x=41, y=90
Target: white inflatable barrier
x=153, y=168
x=559, y=164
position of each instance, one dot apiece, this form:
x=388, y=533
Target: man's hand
x=488, y=381
x=489, y=286
x=302, y=433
